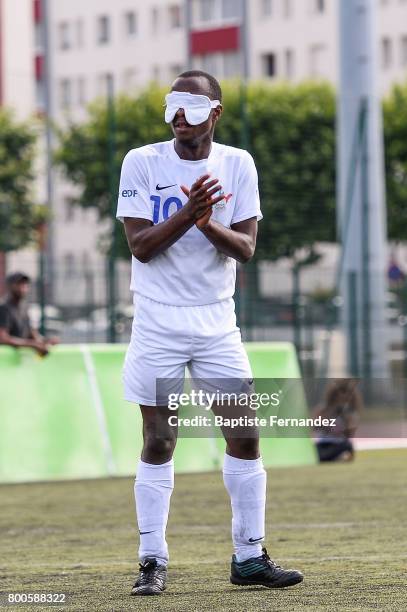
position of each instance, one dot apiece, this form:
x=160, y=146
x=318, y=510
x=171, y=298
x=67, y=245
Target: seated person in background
x=342, y=402
x=15, y=326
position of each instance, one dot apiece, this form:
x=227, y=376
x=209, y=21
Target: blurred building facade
x=17, y=81
x=134, y=42
x=17, y=50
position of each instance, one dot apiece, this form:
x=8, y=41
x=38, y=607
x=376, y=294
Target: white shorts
x=167, y=338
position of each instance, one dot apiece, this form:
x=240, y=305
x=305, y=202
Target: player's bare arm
x=146, y=240
x=45, y=341
x=238, y=241
x=8, y=340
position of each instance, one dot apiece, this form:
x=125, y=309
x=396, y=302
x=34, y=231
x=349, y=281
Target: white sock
x=245, y=481
x=152, y=491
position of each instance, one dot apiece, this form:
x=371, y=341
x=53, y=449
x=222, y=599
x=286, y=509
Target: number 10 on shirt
x=156, y=199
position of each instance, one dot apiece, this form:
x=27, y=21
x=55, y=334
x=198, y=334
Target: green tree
x=19, y=217
x=291, y=139
x=395, y=134
x=84, y=149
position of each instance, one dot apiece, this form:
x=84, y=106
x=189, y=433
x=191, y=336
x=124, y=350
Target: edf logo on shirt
x=129, y=193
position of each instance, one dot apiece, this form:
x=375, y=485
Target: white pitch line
x=379, y=443
x=97, y=403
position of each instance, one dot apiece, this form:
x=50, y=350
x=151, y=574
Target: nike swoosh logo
x=158, y=188
x=256, y=539
x=145, y=532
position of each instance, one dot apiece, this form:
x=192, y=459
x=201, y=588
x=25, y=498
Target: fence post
x=365, y=243
x=111, y=269
x=296, y=310
x=353, y=323
x=41, y=282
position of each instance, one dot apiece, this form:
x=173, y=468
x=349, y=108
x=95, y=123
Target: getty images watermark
x=221, y=402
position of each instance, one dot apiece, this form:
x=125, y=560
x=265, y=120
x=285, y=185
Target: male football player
x=190, y=208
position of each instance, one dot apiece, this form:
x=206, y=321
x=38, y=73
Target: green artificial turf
x=343, y=525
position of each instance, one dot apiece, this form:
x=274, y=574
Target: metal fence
x=273, y=303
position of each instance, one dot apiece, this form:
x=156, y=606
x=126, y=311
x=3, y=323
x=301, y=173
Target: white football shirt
x=191, y=272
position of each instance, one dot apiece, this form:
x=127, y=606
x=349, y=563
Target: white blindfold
x=196, y=108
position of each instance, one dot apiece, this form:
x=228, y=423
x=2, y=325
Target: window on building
x=38, y=36
x=79, y=33
x=64, y=36
x=129, y=79
x=266, y=8
x=110, y=83
x=156, y=73
x=207, y=10
x=230, y=9
x=105, y=83
x=130, y=23
x=387, y=52
x=174, y=71
x=69, y=210
x=40, y=96
x=317, y=57
x=210, y=63
x=86, y=260
x=231, y=65
x=319, y=6
x=155, y=17
x=287, y=8
x=175, y=15
x=65, y=93
x=269, y=65
x=403, y=46
x=88, y=272
x=103, y=30
x=81, y=85
x=289, y=67
x=69, y=264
